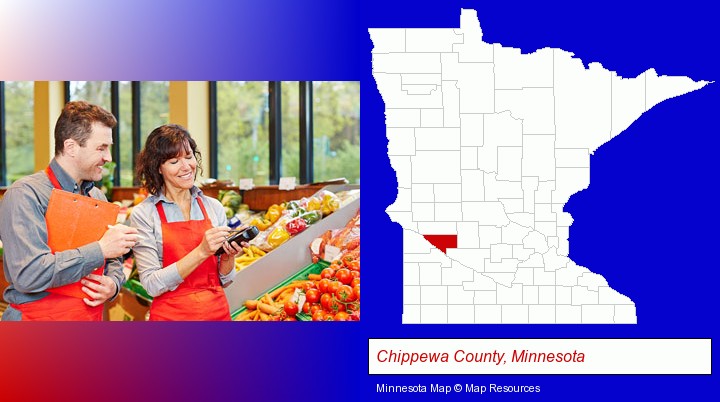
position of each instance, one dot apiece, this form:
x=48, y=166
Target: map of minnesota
x=488, y=145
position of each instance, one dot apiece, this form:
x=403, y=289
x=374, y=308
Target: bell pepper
x=330, y=203
x=297, y=212
x=311, y=217
x=295, y=226
x=314, y=204
x=278, y=236
x=261, y=224
x=273, y=214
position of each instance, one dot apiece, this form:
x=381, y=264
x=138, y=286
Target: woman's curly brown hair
x=164, y=143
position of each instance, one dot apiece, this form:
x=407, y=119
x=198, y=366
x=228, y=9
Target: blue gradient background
x=648, y=222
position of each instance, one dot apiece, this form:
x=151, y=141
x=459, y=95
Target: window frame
x=213, y=128
x=3, y=154
x=306, y=133
x=275, y=131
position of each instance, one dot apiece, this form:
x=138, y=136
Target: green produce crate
x=315, y=268
x=134, y=286
x=303, y=317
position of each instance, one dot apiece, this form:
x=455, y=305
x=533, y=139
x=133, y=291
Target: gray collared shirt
x=29, y=265
x=148, y=252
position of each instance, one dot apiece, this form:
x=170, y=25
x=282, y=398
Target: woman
x=180, y=229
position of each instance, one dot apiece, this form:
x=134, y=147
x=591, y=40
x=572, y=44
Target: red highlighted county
x=442, y=242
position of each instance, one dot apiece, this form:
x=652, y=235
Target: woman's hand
x=227, y=260
x=240, y=229
x=214, y=239
x=232, y=249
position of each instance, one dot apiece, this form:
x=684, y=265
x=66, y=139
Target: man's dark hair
x=76, y=122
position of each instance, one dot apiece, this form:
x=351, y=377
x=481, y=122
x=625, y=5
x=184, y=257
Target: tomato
x=355, y=281
x=336, y=306
x=323, y=285
x=355, y=274
x=355, y=306
x=333, y=287
x=312, y=296
x=306, y=308
x=329, y=317
x=291, y=309
x=354, y=265
x=315, y=307
x=344, y=276
x=325, y=300
x=341, y=316
x=308, y=285
x=290, y=319
x=318, y=316
x=345, y=294
x=327, y=273
x=356, y=291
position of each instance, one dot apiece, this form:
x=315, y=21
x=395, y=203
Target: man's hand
x=118, y=240
x=99, y=291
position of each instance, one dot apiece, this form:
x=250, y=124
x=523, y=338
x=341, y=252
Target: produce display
x=232, y=201
x=332, y=294
x=334, y=245
x=251, y=254
x=328, y=290
x=283, y=221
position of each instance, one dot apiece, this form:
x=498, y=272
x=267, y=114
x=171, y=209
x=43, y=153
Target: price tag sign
x=246, y=184
x=298, y=298
x=287, y=183
x=331, y=253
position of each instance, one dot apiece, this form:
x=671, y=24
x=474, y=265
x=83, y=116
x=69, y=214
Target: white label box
x=539, y=356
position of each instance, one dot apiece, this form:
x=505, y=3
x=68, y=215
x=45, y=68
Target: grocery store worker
x=180, y=230
x=83, y=136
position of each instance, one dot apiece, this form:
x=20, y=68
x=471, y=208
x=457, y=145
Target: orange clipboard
x=74, y=220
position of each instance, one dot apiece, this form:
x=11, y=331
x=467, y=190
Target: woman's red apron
x=60, y=307
x=200, y=297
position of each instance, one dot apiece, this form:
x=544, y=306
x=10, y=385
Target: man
x=83, y=136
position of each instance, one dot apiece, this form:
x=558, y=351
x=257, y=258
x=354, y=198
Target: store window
x=336, y=130
x=245, y=144
x=290, y=129
x=18, y=105
x=242, y=131
x=154, y=106
x=95, y=92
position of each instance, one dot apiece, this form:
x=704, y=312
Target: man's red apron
x=60, y=306
x=200, y=297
